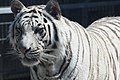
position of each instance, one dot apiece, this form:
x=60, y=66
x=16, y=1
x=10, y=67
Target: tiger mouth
x=34, y=58
x=29, y=61
x=32, y=55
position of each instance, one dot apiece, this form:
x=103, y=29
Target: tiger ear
x=16, y=6
x=53, y=8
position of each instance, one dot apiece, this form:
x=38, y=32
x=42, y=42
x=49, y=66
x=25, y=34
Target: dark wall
x=31, y=2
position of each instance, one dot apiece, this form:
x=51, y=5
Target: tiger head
x=34, y=34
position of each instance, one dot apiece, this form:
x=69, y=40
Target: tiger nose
x=24, y=49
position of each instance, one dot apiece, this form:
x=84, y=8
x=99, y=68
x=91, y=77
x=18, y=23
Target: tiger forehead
x=31, y=12
x=34, y=14
x=38, y=6
x=35, y=8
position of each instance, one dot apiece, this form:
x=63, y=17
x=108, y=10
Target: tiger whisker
x=45, y=61
x=41, y=51
x=46, y=58
x=49, y=57
x=49, y=49
x=15, y=58
x=11, y=53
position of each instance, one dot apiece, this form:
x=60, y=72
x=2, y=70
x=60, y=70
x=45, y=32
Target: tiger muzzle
x=24, y=49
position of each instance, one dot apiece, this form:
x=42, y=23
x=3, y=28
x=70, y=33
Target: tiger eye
x=39, y=30
x=39, y=24
x=45, y=20
x=36, y=30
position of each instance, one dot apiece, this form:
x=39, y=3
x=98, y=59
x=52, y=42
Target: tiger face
x=32, y=32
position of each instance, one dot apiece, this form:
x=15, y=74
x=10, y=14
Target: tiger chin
x=29, y=62
x=55, y=48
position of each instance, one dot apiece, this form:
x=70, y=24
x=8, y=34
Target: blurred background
x=82, y=11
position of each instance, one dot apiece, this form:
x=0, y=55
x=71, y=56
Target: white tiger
x=56, y=48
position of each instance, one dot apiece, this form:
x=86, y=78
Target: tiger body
x=105, y=52
x=98, y=52
x=56, y=48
